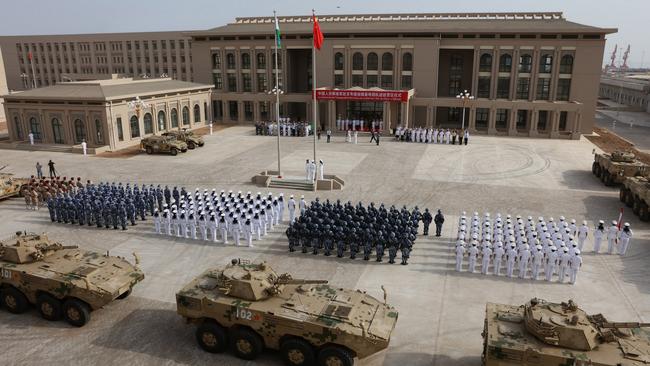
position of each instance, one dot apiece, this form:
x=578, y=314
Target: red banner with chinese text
x=368, y=95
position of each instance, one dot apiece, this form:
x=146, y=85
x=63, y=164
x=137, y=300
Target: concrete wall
x=3, y=86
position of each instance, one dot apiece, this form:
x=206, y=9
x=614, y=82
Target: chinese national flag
x=29, y=55
x=318, y=35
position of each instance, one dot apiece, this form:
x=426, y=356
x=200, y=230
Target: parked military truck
x=162, y=144
x=62, y=281
x=249, y=307
x=552, y=334
x=11, y=186
x=635, y=193
x=186, y=136
x=613, y=168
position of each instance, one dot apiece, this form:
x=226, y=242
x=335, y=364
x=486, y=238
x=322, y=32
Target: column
x=577, y=121
x=471, y=125
x=436, y=68
x=512, y=122
x=514, y=73
x=534, y=75
x=387, y=116
x=331, y=115
x=240, y=111
x=429, y=121
x=477, y=55
x=534, y=118
x=494, y=77
x=555, y=124
x=555, y=75
x=492, y=129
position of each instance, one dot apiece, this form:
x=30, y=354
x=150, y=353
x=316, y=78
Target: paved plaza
x=441, y=311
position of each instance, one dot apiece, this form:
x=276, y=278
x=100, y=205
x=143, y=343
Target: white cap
x=627, y=224
x=576, y=252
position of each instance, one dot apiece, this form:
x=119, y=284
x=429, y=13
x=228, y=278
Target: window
x=261, y=60
x=338, y=61
x=371, y=81
x=407, y=82
x=387, y=81
x=186, y=116
x=148, y=123
x=522, y=120
x=232, y=82
x=261, y=82
x=216, y=60
x=503, y=88
x=99, y=131
x=232, y=109
x=483, y=90
x=564, y=116
x=246, y=82
x=543, y=88
x=563, y=89
x=79, y=131
x=407, y=62
x=566, y=64
x=135, y=127
x=372, y=61
x=501, y=121
x=542, y=120
x=120, y=130
x=19, y=129
x=230, y=61
x=279, y=60
x=197, y=114
x=485, y=63
x=387, y=62
x=357, y=61
x=482, y=117
x=57, y=131
x=245, y=61
x=546, y=64
x=455, y=85
x=357, y=80
x=453, y=115
x=174, y=117
x=523, y=88
x=505, y=63
x=525, y=63
x=162, y=121
x=264, y=111
x=248, y=111
x=218, y=80
x=35, y=128
x=339, y=81
x=205, y=111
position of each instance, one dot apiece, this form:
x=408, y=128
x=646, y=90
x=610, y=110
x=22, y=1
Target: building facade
x=44, y=60
x=532, y=74
x=632, y=91
x=104, y=113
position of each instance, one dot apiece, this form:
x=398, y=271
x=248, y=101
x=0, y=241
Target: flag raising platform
x=271, y=179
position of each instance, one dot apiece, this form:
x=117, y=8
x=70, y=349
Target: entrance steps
x=297, y=184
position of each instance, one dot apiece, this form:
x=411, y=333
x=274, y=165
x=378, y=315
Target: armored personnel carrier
x=186, y=136
x=162, y=144
x=551, y=334
x=635, y=193
x=11, y=186
x=62, y=281
x=249, y=307
x=613, y=168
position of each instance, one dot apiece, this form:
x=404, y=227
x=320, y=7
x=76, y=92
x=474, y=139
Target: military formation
x=432, y=135
x=372, y=124
x=528, y=249
x=108, y=205
x=348, y=230
x=288, y=127
x=38, y=191
x=218, y=217
x=618, y=239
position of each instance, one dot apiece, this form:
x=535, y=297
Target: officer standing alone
x=439, y=219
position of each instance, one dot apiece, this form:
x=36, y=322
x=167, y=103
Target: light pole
x=277, y=91
x=465, y=97
x=24, y=77
x=137, y=105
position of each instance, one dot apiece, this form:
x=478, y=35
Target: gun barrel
x=303, y=282
x=625, y=325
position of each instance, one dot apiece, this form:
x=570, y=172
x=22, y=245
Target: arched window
x=135, y=127
x=485, y=63
x=35, y=128
x=205, y=111
x=505, y=63
x=79, y=131
x=99, y=130
x=216, y=60
x=186, y=115
x=197, y=113
x=245, y=61
x=372, y=61
x=19, y=128
x=525, y=63
x=546, y=64
x=174, y=115
x=357, y=61
x=261, y=60
x=148, y=123
x=566, y=64
x=57, y=131
x=387, y=62
x=230, y=61
x=407, y=61
x=338, y=61
x=162, y=121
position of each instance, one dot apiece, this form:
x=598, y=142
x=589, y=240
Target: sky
x=95, y=16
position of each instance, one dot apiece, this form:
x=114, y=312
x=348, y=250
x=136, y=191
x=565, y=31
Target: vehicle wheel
x=333, y=355
x=644, y=212
x=246, y=344
x=605, y=178
x=49, y=307
x=125, y=295
x=594, y=168
x=202, y=144
x=14, y=301
x=174, y=152
x=636, y=206
x=297, y=352
x=599, y=170
x=190, y=145
x=76, y=312
x=149, y=150
x=622, y=195
x=212, y=337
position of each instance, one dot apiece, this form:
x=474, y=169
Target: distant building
x=631, y=90
x=102, y=113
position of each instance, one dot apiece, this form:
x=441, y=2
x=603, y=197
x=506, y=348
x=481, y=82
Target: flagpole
x=277, y=93
x=313, y=84
x=31, y=62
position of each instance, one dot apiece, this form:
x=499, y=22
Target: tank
x=635, y=193
x=612, y=169
x=63, y=282
x=11, y=186
x=560, y=334
x=249, y=307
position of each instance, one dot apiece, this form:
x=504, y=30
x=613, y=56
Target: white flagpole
x=313, y=84
x=277, y=91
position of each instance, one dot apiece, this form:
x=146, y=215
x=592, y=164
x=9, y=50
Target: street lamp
x=465, y=96
x=137, y=105
x=277, y=91
x=25, y=77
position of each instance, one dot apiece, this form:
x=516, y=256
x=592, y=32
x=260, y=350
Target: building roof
x=107, y=90
x=410, y=23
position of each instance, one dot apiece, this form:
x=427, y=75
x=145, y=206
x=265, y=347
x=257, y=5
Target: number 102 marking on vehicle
x=243, y=313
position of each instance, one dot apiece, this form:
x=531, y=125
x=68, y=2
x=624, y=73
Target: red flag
x=29, y=55
x=620, y=219
x=318, y=35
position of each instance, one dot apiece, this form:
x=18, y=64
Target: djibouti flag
x=277, y=33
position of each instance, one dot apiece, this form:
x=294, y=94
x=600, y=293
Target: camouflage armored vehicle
x=551, y=334
x=186, y=136
x=162, y=144
x=635, y=193
x=613, y=169
x=250, y=307
x=62, y=281
x=11, y=186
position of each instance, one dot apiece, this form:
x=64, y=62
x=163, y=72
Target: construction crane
x=612, y=65
x=624, y=67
